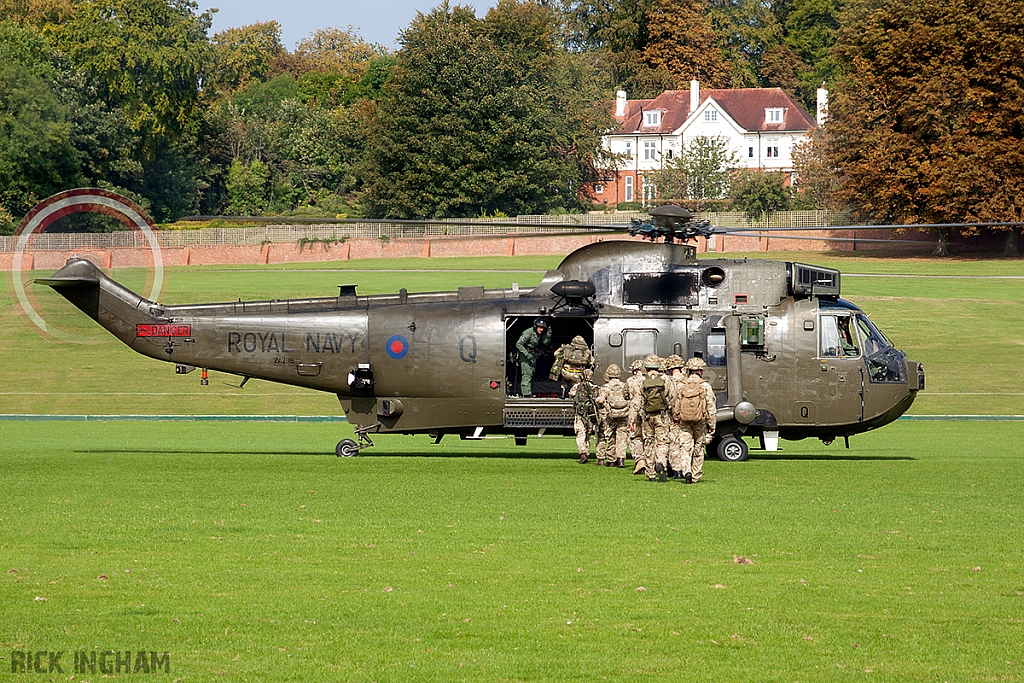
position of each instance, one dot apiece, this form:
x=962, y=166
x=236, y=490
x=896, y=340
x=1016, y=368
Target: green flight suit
x=531, y=345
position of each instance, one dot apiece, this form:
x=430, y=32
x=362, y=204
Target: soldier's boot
x=689, y=477
x=621, y=462
x=639, y=466
x=660, y=469
x=583, y=458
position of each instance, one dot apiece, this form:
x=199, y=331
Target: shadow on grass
x=778, y=455
x=368, y=454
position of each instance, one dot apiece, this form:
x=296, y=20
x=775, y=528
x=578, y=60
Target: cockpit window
x=885, y=364
x=838, y=339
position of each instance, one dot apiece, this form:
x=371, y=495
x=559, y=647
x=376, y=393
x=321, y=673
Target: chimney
x=822, y=115
x=694, y=95
x=620, y=104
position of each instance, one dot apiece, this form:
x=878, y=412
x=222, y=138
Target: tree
x=36, y=159
x=482, y=116
x=701, y=172
x=756, y=193
x=928, y=121
x=340, y=51
x=246, y=53
x=815, y=178
x=683, y=43
x=147, y=56
x=747, y=30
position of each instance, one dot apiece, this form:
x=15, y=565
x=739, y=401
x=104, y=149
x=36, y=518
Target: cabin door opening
x=562, y=332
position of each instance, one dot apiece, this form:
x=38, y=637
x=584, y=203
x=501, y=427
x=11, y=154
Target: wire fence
x=322, y=232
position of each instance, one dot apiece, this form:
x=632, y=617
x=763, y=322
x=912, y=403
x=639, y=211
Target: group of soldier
x=664, y=412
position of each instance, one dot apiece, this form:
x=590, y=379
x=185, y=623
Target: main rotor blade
x=739, y=233
x=298, y=220
x=915, y=226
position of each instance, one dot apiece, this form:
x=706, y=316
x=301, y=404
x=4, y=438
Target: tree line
x=502, y=114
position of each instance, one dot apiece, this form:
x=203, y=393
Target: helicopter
x=787, y=356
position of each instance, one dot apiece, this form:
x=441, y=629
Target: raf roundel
x=397, y=346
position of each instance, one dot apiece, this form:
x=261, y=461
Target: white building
x=761, y=125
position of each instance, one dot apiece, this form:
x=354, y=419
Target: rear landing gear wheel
x=346, y=448
x=732, y=449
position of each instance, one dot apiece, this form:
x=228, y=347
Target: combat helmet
x=652, y=362
x=636, y=365
x=695, y=365
x=541, y=323
x=672, y=362
x=613, y=372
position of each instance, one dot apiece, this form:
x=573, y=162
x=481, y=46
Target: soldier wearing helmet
x=613, y=404
x=636, y=438
x=532, y=344
x=587, y=419
x=658, y=395
x=678, y=465
x=696, y=413
x=570, y=359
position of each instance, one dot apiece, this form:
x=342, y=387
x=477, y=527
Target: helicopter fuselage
x=776, y=336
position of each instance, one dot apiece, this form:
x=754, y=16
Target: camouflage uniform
x=615, y=420
x=636, y=437
x=584, y=396
x=677, y=464
x=530, y=346
x=656, y=425
x=570, y=359
x=695, y=433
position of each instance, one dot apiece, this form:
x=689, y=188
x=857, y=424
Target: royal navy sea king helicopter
x=787, y=356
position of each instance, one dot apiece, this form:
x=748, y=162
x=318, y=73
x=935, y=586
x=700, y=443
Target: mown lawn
x=248, y=556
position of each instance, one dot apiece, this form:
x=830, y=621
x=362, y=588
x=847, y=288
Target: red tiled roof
x=744, y=105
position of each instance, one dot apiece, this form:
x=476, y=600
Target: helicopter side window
x=886, y=365
x=716, y=348
x=838, y=339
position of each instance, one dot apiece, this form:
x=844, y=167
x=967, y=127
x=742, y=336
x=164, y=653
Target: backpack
x=577, y=355
x=654, y=395
x=618, y=406
x=691, y=405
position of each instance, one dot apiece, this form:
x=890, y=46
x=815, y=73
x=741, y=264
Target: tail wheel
x=732, y=449
x=346, y=448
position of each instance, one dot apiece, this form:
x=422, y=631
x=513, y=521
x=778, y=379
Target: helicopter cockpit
x=847, y=332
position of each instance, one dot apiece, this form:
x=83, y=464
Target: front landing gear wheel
x=346, y=448
x=732, y=449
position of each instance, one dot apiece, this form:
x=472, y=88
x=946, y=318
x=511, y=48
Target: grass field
x=962, y=318
x=247, y=556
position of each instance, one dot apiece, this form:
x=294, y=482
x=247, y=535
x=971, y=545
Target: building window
x=773, y=115
x=650, y=191
x=652, y=118
x=598, y=188
x=629, y=150
x=771, y=152
x=750, y=152
x=668, y=153
x=650, y=148
x=710, y=115
x=629, y=188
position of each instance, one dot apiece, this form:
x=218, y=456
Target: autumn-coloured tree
x=682, y=42
x=246, y=53
x=927, y=124
x=336, y=50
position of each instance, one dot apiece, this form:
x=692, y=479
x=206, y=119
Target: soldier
x=533, y=343
x=658, y=396
x=613, y=402
x=695, y=409
x=570, y=359
x=678, y=465
x=584, y=401
x=636, y=436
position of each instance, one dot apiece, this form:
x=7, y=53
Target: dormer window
x=710, y=115
x=774, y=115
x=652, y=118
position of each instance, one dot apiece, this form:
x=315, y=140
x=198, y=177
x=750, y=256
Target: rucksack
x=576, y=355
x=691, y=403
x=618, y=406
x=654, y=395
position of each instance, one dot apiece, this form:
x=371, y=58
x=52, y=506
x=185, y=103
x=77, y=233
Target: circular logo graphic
x=79, y=200
x=397, y=346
